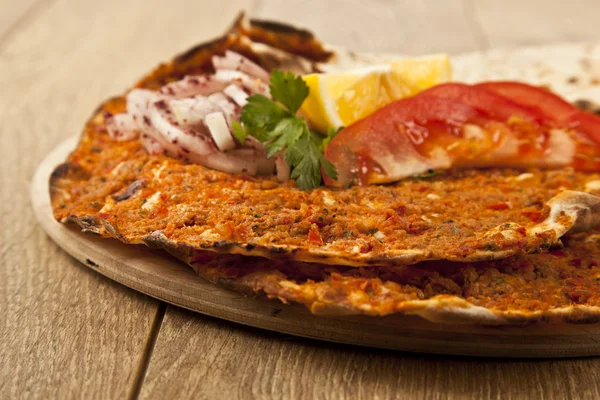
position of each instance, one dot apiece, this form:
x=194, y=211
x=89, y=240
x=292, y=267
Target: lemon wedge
x=341, y=98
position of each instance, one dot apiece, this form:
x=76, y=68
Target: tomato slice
x=551, y=106
x=385, y=146
x=421, y=133
x=587, y=123
x=456, y=126
x=492, y=104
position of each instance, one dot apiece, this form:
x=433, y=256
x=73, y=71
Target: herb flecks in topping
x=275, y=124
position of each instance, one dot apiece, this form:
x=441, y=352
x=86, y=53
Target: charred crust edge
x=130, y=190
x=62, y=170
x=278, y=27
x=87, y=223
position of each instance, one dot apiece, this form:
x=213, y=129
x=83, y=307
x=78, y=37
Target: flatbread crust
x=559, y=286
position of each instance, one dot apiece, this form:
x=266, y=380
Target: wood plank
x=401, y=26
x=201, y=357
x=413, y=27
x=66, y=331
x=13, y=13
x=512, y=23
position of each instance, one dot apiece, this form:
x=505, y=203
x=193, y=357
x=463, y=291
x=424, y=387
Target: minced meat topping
x=445, y=216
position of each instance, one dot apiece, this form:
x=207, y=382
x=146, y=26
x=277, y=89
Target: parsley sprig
x=275, y=124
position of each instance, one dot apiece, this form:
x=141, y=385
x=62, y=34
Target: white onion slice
x=281, y=168
x=254, y=85
x=240, y=63
x=227, y=162
x=236, y=94
x=151, y=145
x=121, y=127
x=187, y=140
x=226, y=105
x=266, y=167
x=217, y=126
x=254, y=143
x=138, y=103
x=192, y=86
x=190, y=119
x=191, y=111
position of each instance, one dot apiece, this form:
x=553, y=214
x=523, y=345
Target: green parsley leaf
x=286, y=133
x=261, y=115
x=280, y=130
x=288, y=89
x=238, y=131
x=307, y=161
x=304, y=158
x=328, y=167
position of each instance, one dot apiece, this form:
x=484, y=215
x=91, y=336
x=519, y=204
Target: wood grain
x=427, y=26
x=218, y=359
x=13, y=14
x=406, y=27
x=512, y=23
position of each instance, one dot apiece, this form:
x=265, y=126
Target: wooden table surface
x=68, y=332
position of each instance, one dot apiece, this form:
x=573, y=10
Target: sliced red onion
x=191, y=118
x=121, y=127
x=254, y=85
x=266, y=167
x=236, y=94
x=220, y=132
x=151, y=145
x=138, y=104
x=253, y=143
x=240, y=63
x=281, y=168
x=192, y=86
x=226, y=162
x=189, y=141
x=227, y=106
x=191, y=111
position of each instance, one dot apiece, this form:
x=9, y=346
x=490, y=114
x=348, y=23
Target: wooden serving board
x=168, y=279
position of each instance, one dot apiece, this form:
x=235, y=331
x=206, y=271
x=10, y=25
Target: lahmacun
x=511, y=234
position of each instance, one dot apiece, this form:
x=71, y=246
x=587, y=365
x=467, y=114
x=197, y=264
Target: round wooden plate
x=167, y=279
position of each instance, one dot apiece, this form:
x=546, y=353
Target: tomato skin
x=355, y=149
x=587, y=123
x=492, y=124
x=548, y=104
x=486, y=101
x=551, y=106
